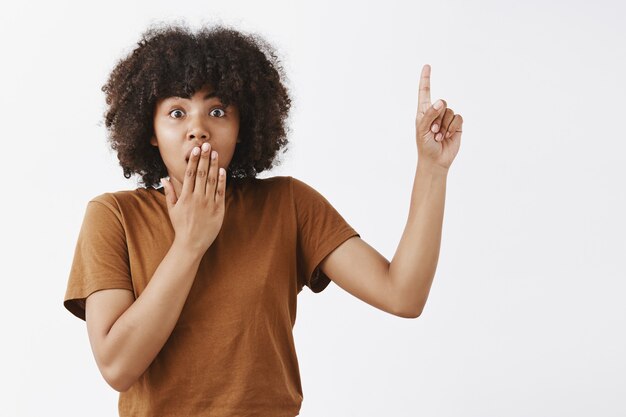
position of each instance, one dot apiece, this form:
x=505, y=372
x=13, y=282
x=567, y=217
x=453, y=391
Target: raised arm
x=401, y=287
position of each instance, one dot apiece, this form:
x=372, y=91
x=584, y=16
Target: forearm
x=141, y=331
x=413, y=266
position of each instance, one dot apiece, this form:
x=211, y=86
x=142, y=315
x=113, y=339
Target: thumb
x=433, y=113
x=170, y=194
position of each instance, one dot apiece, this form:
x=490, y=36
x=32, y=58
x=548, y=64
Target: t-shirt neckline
x=229, y=186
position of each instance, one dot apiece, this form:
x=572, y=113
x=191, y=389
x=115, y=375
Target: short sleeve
x=100, y=258
x=321, y=229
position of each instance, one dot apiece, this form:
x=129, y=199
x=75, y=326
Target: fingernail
x=205, y=147
x=196, y=150
x=213, y=155
x=435, y=128
x=438, y=104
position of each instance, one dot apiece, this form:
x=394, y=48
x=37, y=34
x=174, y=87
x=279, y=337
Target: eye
x=176, y=110
x=180, y=111
x=224, y=113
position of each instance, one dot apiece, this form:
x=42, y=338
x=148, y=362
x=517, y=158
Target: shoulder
x=286, y=184
x=116, y=197
x=122, y=200
x=275, y=181
x=304, y=192
x=276, y=184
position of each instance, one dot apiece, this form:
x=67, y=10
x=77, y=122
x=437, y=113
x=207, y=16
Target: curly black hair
x=171, y=60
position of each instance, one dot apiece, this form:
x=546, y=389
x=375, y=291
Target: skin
x=438, y=129
x=181, y=124
x=401, y=287
x=126, y=334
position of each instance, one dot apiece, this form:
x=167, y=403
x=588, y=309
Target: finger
x=212, y=179
x=221, y=187
x=203, y=170
x=433, y=116
x=190, y=173
x=424, y=91
x=445, y=122
x=437, y=124
x=170, y=194
x=455, y=126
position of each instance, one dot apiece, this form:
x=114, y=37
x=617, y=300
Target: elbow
x=115, y=368
x=410, y=312
x=120, y=386
x=409, y=309
x=117, y=380
x=407, y=303
x=409, y=315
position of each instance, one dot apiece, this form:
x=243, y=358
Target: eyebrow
x=206, y=97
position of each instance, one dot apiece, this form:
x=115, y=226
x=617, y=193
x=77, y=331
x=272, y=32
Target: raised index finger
x=424, y=91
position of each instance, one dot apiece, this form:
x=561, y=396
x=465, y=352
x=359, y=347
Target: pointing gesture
x=438, y=129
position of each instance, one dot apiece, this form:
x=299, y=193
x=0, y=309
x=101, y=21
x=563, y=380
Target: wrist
x=431, y=168
x=185, y=250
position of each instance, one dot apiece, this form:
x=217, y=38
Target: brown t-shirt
x=232, y=350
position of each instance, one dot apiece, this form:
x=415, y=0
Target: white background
x=526, y=316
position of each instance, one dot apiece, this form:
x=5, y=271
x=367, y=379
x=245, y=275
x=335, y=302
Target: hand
x=198, y=213
x=438, y=131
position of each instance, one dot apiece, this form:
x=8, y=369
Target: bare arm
x=401, y=287
x=126, y=335
x=438, y=137
x=413, y=266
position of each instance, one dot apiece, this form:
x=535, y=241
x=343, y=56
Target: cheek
x=173, y=160
x=168, y=134
x=226, y=156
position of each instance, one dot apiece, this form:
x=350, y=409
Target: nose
x=198, y=131
x=198, y=134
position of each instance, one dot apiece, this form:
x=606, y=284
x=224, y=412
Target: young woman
x=189, y=290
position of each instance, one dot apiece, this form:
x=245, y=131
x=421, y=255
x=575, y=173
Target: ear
x=153, y=141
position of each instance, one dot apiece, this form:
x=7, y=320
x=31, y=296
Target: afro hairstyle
x=170, y=60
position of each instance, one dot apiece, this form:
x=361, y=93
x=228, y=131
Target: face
x=180, y=124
